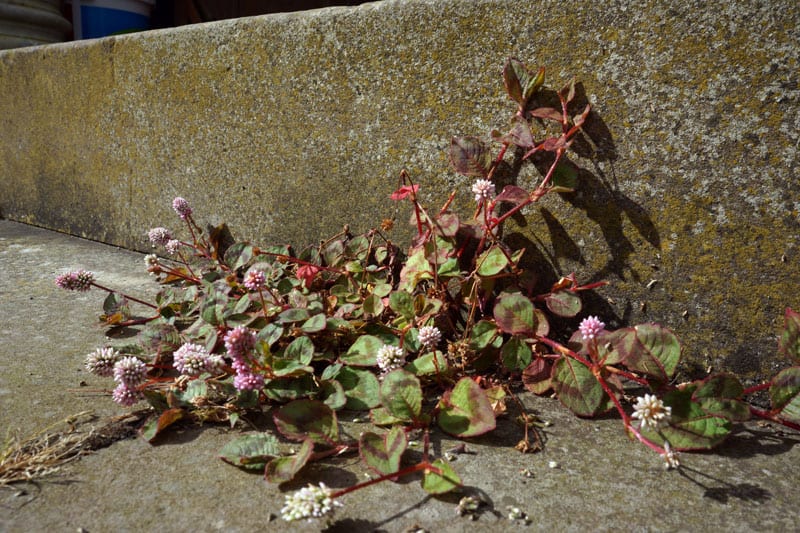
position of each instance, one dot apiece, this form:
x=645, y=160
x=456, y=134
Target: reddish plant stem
x=766, y=415
x=756, y=388
x=423, y=466
x=131, y=298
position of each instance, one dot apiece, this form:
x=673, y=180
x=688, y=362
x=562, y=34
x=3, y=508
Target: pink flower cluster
x=192, y=360
x=78, y=280
x=239, y=343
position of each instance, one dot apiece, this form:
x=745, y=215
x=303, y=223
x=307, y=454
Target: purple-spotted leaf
x=238, y=255
x=516, y=354
x=515, y=314
x=373, y=305
x=282, y=469
x=784, y=391
x=650, y=349
x=470, y=156
x=789, y=342
x=383, y=453
x=465, y=411
x=492, y=262
x=307, y=419
x=401, y=395
x=578, y=389
x=690, y=427
x=442, y=481
x=721, y=395
x=155, y=426
x=513, y=195
x=564, y=303
x=251, y=452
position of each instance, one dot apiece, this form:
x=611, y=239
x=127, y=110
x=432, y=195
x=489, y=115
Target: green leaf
x=520, y=83
x=690, y=427
x=238, y=255
x=363, y=351
x=483, y=333
x=293, y=315
x=565, y=178
x=721, y=395
x=440, y=483
x=402, y=303
x=301, y=350
x=373, y=305
x=470, y=156
x=447, y=224
x=516, y=354
x=449, y=268
x=155, y=426
x=285, y=389
x=514, y=314
x=784, y=391
x=416, y=269
x=536, y=377
x=492, y=262
x=383, y=454
x=789, y=342
x=282, y=469
x=315, y=324
x=195, y=389
x=251, y=452
x=424, y=365
x=564, y=303
x=578, y=389
x=332, y=394
x=381, y=416
x=307, y=419
x=465, y=411
x=361, y=387
x=650, y=349
x=401, y=394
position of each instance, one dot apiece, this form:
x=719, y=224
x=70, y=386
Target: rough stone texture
x=603, y=482
x=289, y=126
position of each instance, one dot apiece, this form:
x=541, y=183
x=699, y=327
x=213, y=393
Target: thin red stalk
x=423, y=466
x=131, y=298
x=756, y=388
x=772, y=418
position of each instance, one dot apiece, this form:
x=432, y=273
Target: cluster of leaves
x=325, y=312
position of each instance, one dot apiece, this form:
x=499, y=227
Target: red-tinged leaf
x=465, y=411
x=251, y=452
x=282, y=469
x=447, y=224
x=383, y=453
x=442, y=481
x=648, y=348
x=515, y=78
x=514, y=313
x=784, y=392
x=536, y=377
x=155, y=426
x=563, y=303
x=567, y=93
x=721, y=395
x=690, y=427
x=516, y=354
x=580, y=119
x=470, y=156
x=404, y=192
x=518, y=135
x=789, y=342
x=307, y=419
x=548, y=113
x=578, y=388
x=401, y=395
x=492, y=262
x=513, y=195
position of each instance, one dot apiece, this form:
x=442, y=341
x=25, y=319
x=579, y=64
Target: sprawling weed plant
x=433, y=337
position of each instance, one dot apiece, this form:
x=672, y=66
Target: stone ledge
x=290, y=126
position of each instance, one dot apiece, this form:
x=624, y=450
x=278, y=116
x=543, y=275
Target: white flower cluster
x=389, y=358
x=483, y=190
x=670, y=457
x=309, y=502
x=651, y=411
x=429, y=336
x=101, y=361
x=192, y=360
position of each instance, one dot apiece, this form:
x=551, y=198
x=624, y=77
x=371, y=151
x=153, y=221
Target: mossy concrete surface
x=290, y=126
x=601, y=481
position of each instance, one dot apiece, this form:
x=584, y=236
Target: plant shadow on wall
x=439, y=339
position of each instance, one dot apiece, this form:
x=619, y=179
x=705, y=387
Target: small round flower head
x=483, y=190
x=309, y=502
x=193, y=360
x=389, y=358
x=78, y=280
x=248, y=381
x=172, y=246
x=429, y=336
x=651, y=411
x=255, y=280
x=126, y=396
x=153, y=266
x=239, y=341
x=182, y=207
x=101, y=361
x=130, y=371
x=159, y=236
x=670, y=457
x=591, y=327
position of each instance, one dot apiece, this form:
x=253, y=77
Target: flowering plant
x=438, y=337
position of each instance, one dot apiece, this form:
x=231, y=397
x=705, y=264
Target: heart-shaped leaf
x=564, y=303
x=361, y=388
x=307, y=419
x=536, y=377
x=401, y=395
x=383, y=454
x=784, y=391
x=442, y=481
x=650, y=349
x=282, y=469
x=470, y=156
x=514, y=314
x=578, y=389
x=721, y=395
x=513, y=194
x=363, y=351
x=466, y=411
x=251, y=452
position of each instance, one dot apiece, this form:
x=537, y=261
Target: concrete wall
x=289, y=126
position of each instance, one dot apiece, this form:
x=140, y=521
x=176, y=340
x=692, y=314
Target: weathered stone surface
x=290, y=126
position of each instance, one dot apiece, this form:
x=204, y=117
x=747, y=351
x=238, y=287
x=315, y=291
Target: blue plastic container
x=101, y=18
